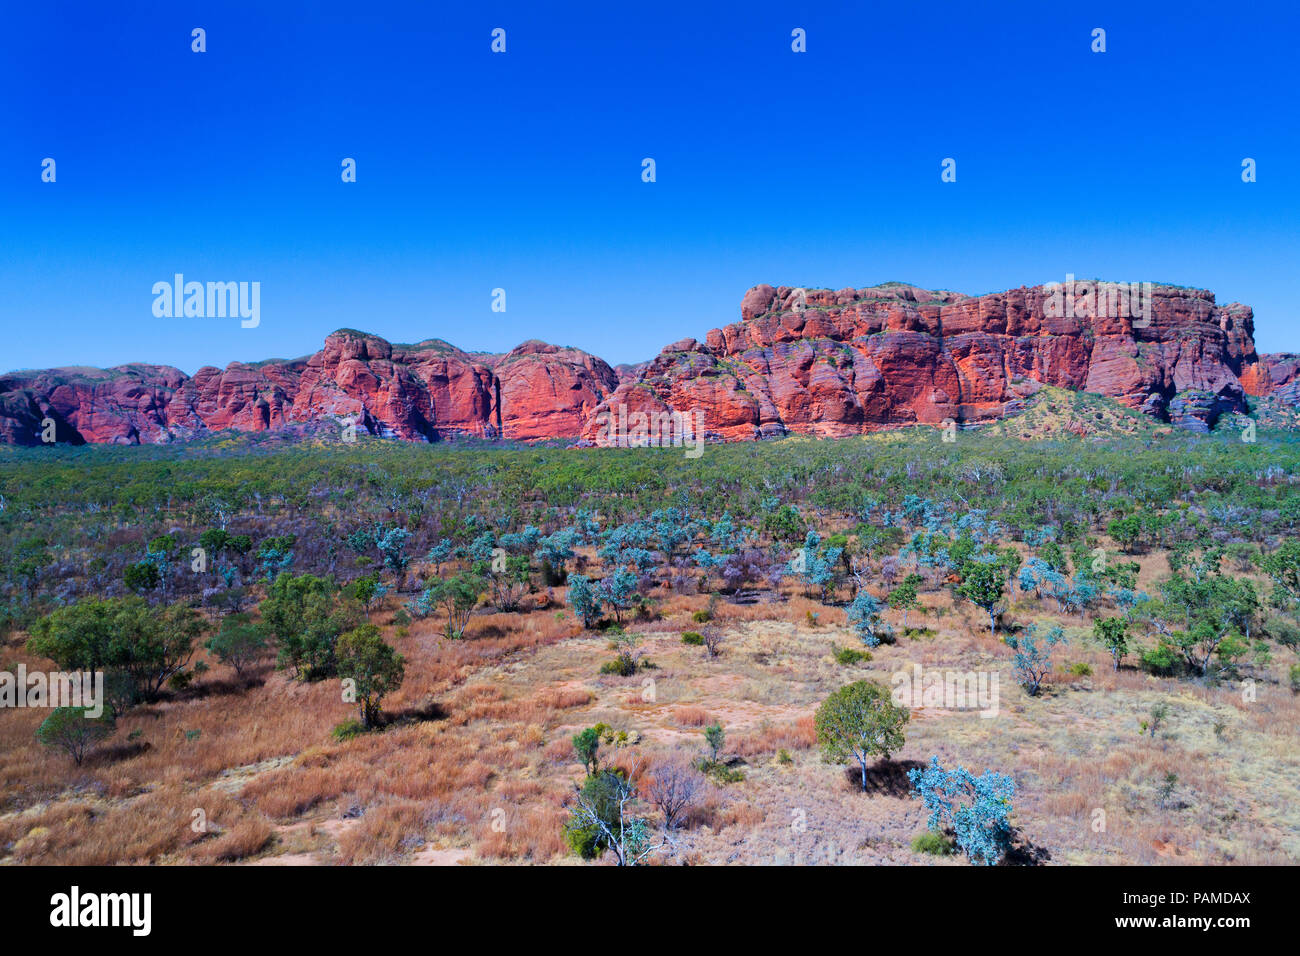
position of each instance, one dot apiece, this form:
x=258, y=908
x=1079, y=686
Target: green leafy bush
x=934, y=843
x=622, y=666
x=849, y=656
x=74, y=731
x=352, y=727
x=1161, y=660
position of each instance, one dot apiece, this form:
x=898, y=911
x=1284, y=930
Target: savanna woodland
x=998, y=648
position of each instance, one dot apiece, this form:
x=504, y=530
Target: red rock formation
x=123, y=405
x=1277, y=375
x=550, y=392
x=844, y=362
x=816, y=361
x=244, y=397
x=1271, y=373
x=428, y=391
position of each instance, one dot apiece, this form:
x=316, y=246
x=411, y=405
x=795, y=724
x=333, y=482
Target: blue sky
x=523, y=171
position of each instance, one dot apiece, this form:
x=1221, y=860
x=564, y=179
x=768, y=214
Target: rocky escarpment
x=844, y=362
x=428, y=391
x=1277, y=375
x=818, y=362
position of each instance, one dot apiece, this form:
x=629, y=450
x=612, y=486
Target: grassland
x=475, y=762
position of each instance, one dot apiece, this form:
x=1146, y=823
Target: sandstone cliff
x=818, y=362
x=849, y=361
x=427, y=391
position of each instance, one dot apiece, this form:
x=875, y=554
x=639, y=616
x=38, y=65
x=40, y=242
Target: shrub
x=628, y=659
x=933, y=843
x=719, y=772
x=849, y=655
x=1161, y=660
x=864, y=616
x=714, y=737
x=694, y=638
x=1080, y=669
x=620, y=666
x=74, y=731
x=1165, y=792
x=1295, y=678
x=586, y=744
x=142, y=576
x=348, y=729
x=1156, y=719
x=701, y=617
x=673, y=787
x=1033, y=658
x=603, y=819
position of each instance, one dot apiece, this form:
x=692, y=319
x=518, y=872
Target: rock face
x=844, y=362
x=127, y=404
x=1277, y=375
x=426, y=392
x=818, y=362
x=549, y=392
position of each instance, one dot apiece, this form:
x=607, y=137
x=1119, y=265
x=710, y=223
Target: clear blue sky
x=523, y=170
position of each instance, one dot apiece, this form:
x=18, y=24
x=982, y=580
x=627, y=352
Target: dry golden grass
x=478, y=764
x=692, y=716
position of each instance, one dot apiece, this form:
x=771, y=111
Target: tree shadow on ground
x=110, y=754
x=885, y=778
x=1025, y=852
x=224, y=686
x=429, y=710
